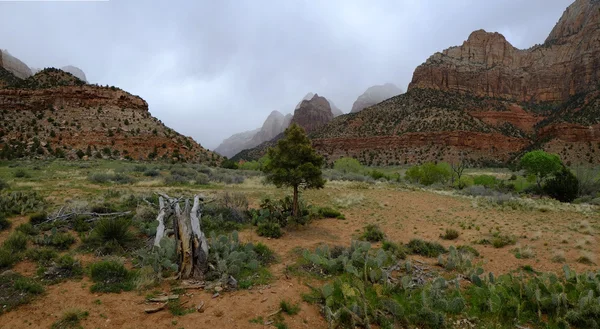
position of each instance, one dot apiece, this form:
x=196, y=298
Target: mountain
x=54, y=113
x=75, y=71
x=14, y=65
x=313, y=113
x=335, y=110
x=374, y=95
x=234, y=144
x=485, y=101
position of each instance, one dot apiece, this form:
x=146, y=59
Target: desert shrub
x=4, y=223
x=70, y=320
x=62, y=268
x=118, y=178
x=524, y=252
x=264, y=254
x=334, y=175
x=395, y=249
x=7, y=258
x=3, y=185
x=38, y=218
x=151, y=172
x=485, y=180
x=479, y=190
x=229, y=164
x=19, y=203
x=16, y=290
x=376, y=174
x=163, y=260
x=327, y=212
x=348, y=165
x=502, y=240
x=175, y=179
x=563, y=187
x=20, y=173
x=16, y=242
x=225, y=176
x=468, y=249
x=372, y=233
x=428, y=174
x=27, y=229
x=43, y=256
x=58, y=240
x=111, y=235
x=145, y=213
x=269, y=229
x=450, y=234
x=111, y=276
x=289, y=308
x=280, y=212
x=456, y=260
x=425, y=248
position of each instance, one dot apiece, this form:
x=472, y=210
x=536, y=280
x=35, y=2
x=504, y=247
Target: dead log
x=156, y=309
x=163, y=298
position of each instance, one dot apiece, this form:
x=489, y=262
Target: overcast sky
x=213, y=68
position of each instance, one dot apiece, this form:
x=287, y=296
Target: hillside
x=54, y=113
x=486, y=101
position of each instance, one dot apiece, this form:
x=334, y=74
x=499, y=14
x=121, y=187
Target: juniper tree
x=294, y=162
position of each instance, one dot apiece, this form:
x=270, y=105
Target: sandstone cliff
x=54, y=113
x=313, y=113
x=75, y=71
x=374, y=95
x=234, y=144
x=14, y=65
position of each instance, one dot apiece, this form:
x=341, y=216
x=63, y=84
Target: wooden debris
x=274, y=313
x=200, y=307
x=163, y=298
x=156, y=309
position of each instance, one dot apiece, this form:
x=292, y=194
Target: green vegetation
x=425, y=248
x=294, y=163
x=540, y=164
x=348, y=165
x=372, y=233
x=111, y=236
x=563, y=187
x=58, y=240
x=70, y=320
x=429, y=173
x=4, y=223
x=450, y=234
x=16, y=290
x=111, y=276
x=62, y=268
x=289, y=308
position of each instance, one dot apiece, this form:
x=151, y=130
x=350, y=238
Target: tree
x=540, y=164
x=428, y=173
x=348, y=165
x=563, y=186
x=458, y=168
x=294, y=163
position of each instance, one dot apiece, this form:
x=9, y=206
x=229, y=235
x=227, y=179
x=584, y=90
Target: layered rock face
x=486, y=64
x=234, y=144
x=275, y=124
x=75, y=71
x=14, y=65
x=54, y=114
x=313, y=114
x=374, y=95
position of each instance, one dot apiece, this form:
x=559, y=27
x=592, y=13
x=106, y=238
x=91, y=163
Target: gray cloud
x=212, y=68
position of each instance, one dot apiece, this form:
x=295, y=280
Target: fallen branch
x=156, y=309
x=95, y=216
x=274, y=313
x=163, y=298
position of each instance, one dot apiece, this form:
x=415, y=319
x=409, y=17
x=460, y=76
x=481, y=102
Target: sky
x=209, y=68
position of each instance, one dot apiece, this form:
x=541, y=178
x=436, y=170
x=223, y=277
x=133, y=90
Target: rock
x=273, y=126
x=313, y=113
x=75, y=71
x=374, y=95
x=14, y=65
x=232, y=145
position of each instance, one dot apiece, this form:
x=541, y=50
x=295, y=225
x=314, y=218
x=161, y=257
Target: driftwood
x=191, y=242
x=163, y=298
x=95, y=216
x=156, y=309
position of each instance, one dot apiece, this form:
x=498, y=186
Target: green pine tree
x=294, y=163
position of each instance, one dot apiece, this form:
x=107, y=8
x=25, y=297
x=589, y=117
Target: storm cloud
x=212, y=68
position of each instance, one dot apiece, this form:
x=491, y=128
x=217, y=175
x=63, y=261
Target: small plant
x=4, y=223
x=328, y=212
x=425, y=248
x=502, y=240
x=524, y=252
x=177, y=309
x=16, y=290
x=3, y=185
x=27, y=229
x=264, y=254
x=70, y=320
x=7, y=258
x=289, y=308
x=111, y=236
x=468, y=249
x=396, y=249
x=63, y=268
x=43, y=256
x=559, y=257
x=16, y=242
x=372, y=233
x=586, y=258
x=20, y=173
x=58, y=240
x=111, y=276
x=38, y=218
x=450, y=234
x=269, y=229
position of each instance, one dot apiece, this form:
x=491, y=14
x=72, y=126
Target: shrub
x=7, y=259
x=425, y=248
x=428, y=174
x=348, y=165
x=485, y=180
x=16, y=290
x=289, y=308
x=3, y=185
x=20, y=173
x=264, y=254
x=396, y=249
x=4, y=223
x=563, y=187
x=16, y=242
x=38, y=218
x=28, y=229
x=152, y=173
x=119, y=178
x=502, y=240
x=372, y=233
x=58, y=240
x=19, y=203
x=111, y=235
x=43, y=256
x=468, y=249
x=70, y=320
x=269, y=229
x=328, y=212
x=111, y=276
x=450, y=234
x=61, y=269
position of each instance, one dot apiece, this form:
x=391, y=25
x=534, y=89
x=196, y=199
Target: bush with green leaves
x=425, y=248
x=111, y=276
x=485, y=180
x=117, y=178
x=540, y=165
x=328, y=212
x=450, y=234
x=428, y=174
x=501, y=240
x=4, y=223
x=348, y=165
x=396, y=249
x=269, y=230
x=27, y=229
x=456, y=260
x=163, y=260
x=62, y=268
x=43, y=256
x=372, y=233
x=8, y=258
x=111, y=235
x=70, y=320
x=20, y=203
x=16, y=290
x=55, y=239
x=21, y=173
x=3, y=185
x=564, y=186
x=16, y=242
x=38, y=218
